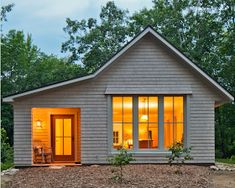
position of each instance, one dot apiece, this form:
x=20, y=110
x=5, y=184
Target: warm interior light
x=144, y=117
x=39, y=124
x=129, y=142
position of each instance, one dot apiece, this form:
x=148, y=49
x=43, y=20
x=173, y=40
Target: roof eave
x=10, y=99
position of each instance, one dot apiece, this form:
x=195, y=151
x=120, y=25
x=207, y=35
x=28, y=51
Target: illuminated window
x=148, y=122
x=122, y=122
x=173, y=120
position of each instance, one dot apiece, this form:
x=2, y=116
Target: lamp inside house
x=144, y=116
x=39, y=123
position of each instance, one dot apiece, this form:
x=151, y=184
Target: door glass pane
x=67, y=127
x=153, y=109
x=127, y=109
x=67, y=146
x=127, y=136
x=168, y=109
x=59, y=146
x=143, y=109
x=178, y=109
x=168, y=135
x=59, y=127
x=117, y=109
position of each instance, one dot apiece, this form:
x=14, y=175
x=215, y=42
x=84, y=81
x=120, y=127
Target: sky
x=45, y=19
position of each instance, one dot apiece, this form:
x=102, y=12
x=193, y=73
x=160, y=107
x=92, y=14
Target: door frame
x=63, y=158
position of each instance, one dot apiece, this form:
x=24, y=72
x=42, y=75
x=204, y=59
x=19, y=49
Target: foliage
x=119, y=160
x=6, y=151
x=94, y=41
x=179, y=153
x=4, y=11
x=228, y=160
x=24, y=67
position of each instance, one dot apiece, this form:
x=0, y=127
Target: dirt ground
x=223, y=179
x=140, y=176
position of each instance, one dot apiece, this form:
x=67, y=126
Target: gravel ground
x=101, y=176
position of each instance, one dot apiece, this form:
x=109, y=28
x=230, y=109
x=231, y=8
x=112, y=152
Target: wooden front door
x=62, y=135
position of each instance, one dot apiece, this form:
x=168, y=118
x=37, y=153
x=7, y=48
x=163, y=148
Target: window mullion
x=173, y=118
x=135, y=123
x=161, y=123
x=148, y=121
x=186, y=121
x=122, y=122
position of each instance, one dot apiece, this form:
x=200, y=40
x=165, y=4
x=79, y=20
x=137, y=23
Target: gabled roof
x=147, y=30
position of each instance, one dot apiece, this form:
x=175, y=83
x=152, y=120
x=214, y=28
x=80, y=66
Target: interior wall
x=42, y=135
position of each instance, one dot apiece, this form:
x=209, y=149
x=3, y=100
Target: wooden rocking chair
x=42, y=154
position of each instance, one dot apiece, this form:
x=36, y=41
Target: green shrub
x=179, y=153
x=232, y=158
x=6, y=151
x=6, y=165
x=119, y=160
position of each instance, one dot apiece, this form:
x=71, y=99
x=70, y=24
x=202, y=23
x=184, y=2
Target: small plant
x=179, y=154
x=119, y=160
x=6, y=151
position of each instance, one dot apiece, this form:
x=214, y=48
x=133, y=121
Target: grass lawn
x=6, y=165
x=228, y=161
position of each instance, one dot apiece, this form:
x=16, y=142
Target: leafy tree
x=91, y=41
x=24, y=67
x=3, y=16
x=16, y=55
x=5, y=10
x=6, y=151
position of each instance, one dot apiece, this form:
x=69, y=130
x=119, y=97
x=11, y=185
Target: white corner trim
x=147, y=30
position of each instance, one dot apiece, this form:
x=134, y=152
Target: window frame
x=160, y=150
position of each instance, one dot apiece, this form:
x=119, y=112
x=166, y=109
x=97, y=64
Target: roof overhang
x=147, y=30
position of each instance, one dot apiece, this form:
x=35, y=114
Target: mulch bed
x=145, y=176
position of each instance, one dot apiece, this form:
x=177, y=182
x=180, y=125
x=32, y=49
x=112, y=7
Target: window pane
x=127, y=134
x=127, y=109
x=178, y=109
x=178, y=132
x=67, y=127
x=153, y=136
x=117, y=109
x=168, y=135
x=117, y=130
x=143, y=135
x=143, y=109
x=153, y=109
x=168, y=109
